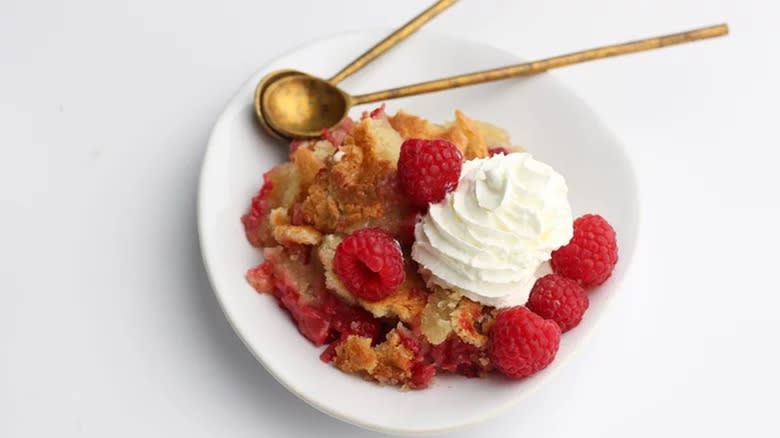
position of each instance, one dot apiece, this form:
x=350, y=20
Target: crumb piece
x=308, y=164
x=323, y=149
x=387, y=144
x=464, y=132
x=395, y=361
x=388, y=363
x=355, y=355
x=406, y=304
x=278, y=217
x=492, y=134
x=475, y=145
x=349, y=192
x=288, y=235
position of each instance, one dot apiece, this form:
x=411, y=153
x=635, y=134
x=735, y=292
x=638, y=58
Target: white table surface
x=108, y=326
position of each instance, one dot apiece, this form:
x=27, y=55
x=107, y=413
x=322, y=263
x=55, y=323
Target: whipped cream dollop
x=488, y=238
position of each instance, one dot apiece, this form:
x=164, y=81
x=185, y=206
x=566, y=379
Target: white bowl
x=542, y=115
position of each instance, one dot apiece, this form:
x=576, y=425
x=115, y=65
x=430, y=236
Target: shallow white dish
x=541, y=114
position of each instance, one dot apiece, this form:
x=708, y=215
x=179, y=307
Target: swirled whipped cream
x=488, y=238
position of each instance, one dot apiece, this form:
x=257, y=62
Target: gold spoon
x=268, y=79
x=302, y=106
x=381, y=47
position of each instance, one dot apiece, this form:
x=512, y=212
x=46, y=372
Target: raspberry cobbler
x=412, y=249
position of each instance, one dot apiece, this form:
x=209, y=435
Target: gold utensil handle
x=534, y=67
x=396, y=37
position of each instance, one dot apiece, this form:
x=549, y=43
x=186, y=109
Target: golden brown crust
x=475, y=146
x=463, y=133
x=308, y=164
x=349, y=192
x=411, y=126
x=355, y=355
x=406, y=304
x=395, y=361
x=288, y=235
x=360, y=189
x=320, y=208
x=291, y=235
x=278, y=217
x=389, y=362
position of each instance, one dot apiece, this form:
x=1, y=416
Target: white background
x=108, y=326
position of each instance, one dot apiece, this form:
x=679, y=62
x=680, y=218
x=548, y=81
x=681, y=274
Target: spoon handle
x=542, y=65
x=396, y=37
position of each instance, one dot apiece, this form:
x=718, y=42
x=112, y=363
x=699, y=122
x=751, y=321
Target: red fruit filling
x=456, y=356
x=254, y=219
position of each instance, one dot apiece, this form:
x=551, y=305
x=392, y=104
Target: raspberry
x=559, y=299
x=498, y=150
x=428, y=169
x=592, y=253
x=522, y=342
x=370, y=264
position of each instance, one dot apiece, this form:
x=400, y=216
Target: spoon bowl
x=264, y=83
x=301, y=106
